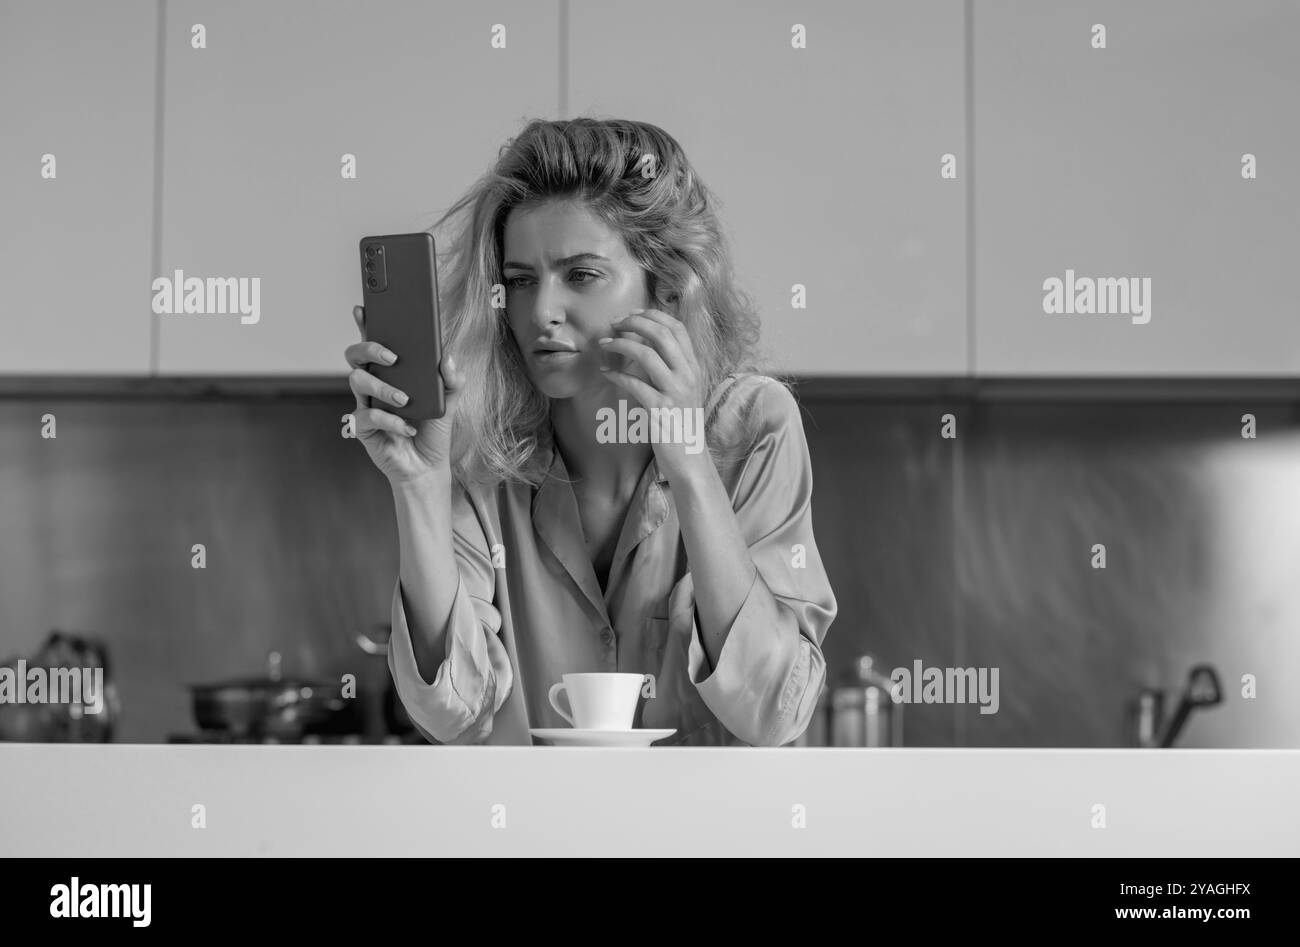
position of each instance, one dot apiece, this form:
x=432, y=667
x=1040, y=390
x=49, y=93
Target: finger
x=359, y=354
x=374, y=419
x=665, y=319
x=674, y=325
x=622, y=333
x=644, y=357
x=359, y=317
x=627, y=364
x=363, y=383
x=644, y=394
x=660, y=336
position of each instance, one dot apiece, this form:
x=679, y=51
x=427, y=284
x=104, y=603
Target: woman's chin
x=566, y=384
x=553, y=387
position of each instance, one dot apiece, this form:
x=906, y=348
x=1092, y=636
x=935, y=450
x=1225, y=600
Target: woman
x=530, y=545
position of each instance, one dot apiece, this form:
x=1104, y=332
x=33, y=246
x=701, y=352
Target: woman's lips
x=554, y=358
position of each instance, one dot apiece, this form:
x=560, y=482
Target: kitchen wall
x=978, y=553
x=973, y=551
x=98, y=527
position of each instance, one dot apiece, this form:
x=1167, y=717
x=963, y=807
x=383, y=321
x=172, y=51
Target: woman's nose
x=545, y=318
x=547, y=310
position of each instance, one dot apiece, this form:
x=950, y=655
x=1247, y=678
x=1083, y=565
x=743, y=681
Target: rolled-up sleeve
x=770, y=672
x=474, y=679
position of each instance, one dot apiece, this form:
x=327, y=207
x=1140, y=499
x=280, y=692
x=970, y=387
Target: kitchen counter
x=137, y=800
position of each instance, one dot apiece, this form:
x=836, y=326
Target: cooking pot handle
x=370, y=646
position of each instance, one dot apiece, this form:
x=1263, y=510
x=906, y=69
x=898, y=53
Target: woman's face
x=558, y=289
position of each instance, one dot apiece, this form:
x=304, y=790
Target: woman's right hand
x=401, y=451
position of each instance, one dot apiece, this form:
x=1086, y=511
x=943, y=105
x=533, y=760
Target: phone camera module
x=374, y=269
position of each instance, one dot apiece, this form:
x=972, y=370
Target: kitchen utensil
x=269, y=706
x=864, y=712
x=1203, y=690
x=565, y=736
x=69, y=722
x=1148, y=718
x=599, y=700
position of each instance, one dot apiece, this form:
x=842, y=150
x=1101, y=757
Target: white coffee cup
x=599, y=700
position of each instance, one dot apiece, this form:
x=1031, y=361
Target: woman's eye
x=518, y=280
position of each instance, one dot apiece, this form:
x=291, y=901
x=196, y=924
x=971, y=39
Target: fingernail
x=389, y=357
x=400, y=397
x=411, y=431
x=637, y=312
x=604, y=340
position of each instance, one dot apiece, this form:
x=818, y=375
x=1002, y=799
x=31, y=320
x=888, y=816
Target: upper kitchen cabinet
x=1121, y=168
x=826, y=160
x=262, y=122
x=77, y=83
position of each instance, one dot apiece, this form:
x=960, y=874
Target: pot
x=272, y=706
x=63, y=722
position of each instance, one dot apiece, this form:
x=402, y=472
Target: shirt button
x=607, y=636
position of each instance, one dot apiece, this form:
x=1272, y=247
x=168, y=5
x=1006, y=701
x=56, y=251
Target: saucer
x=568, y=736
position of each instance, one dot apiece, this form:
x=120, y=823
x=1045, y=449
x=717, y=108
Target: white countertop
x=137, y=800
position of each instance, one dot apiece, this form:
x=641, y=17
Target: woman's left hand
x=673, y=379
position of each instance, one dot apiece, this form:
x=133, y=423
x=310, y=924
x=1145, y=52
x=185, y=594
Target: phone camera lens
x=370, y=267
x=372, y=282
x=370, y=250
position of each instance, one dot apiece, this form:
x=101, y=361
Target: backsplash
x=974, y=551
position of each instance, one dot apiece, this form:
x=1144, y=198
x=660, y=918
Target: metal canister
x=848, y=717
x=863, y=712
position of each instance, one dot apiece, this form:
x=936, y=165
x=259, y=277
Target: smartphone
x=399, y=288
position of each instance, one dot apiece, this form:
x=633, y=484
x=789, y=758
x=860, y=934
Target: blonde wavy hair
x=670, y=228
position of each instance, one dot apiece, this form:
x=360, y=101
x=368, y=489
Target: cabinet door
x=77, y=81
x=826, y=160
x=1126, y=162
x=258, y=122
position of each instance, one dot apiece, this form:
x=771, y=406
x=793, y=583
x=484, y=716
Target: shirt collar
x=556, y=518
